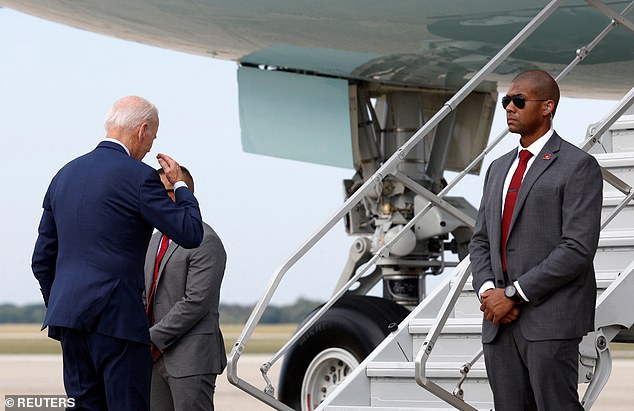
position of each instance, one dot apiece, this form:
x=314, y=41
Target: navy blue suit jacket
x=99, y=213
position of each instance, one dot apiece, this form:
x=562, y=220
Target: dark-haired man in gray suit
x=532, y=255
x=182, y=288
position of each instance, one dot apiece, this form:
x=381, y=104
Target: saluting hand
x=171, y=168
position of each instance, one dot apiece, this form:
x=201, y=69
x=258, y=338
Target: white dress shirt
x=535, y=149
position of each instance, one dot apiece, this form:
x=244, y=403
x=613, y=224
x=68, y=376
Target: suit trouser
x=105, y=373
x=532, y=375
x=191, y=393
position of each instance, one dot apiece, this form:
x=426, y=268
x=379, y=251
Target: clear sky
x=56, y=85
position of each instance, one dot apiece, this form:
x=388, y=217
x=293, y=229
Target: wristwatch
x=511, y=292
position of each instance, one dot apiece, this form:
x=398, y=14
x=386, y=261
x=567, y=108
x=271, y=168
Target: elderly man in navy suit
x=99, y=213
x=532, y=255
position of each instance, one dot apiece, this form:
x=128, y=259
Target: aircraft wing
x=313, y=50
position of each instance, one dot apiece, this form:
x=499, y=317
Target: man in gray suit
x=532, y=255
x=182, y=289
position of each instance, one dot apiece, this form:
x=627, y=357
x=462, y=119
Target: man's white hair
x=130, y=112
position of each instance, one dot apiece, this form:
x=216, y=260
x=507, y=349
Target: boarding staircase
x=433, y=361
x=451, y=367
x=438, y=345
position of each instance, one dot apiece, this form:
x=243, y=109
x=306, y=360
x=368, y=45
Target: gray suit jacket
x=552, y=240
x=186, y=302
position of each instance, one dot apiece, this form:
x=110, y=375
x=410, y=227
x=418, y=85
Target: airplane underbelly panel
x=296, y=117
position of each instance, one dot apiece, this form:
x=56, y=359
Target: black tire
x=349, y=331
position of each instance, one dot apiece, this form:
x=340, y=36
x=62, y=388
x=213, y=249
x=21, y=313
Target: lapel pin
x=546, y=156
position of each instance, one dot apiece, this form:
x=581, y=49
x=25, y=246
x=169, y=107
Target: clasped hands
x=497, y=308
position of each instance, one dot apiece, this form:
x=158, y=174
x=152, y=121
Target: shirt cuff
x=179, y=184
x=486, y=286
x=519, y=290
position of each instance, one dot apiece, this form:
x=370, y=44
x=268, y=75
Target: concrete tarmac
x=42, y=374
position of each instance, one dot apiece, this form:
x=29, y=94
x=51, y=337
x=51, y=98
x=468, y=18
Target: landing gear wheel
x=333, y=347
x=324, y=373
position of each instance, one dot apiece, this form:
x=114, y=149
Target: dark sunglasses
x=518, y=101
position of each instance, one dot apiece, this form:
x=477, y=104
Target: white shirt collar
x=537, y=145
x=112, y=140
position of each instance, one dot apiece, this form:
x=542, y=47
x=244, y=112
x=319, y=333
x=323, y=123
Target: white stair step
x=619, y=164
x=616, y=238
x=444, y=370
x=616, y=250
x=615, y=160
x=614, y=259
x=612, y=200
x=453, y=326
x=605, y=278
x=459, y=340
x=624, y=219
x=468, y=306
x=468, y=303
x=393, y=384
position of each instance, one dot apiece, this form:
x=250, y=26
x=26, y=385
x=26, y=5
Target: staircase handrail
x=462, y=273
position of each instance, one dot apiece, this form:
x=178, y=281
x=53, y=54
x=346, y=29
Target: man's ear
x=142, y=131
x=549, y=108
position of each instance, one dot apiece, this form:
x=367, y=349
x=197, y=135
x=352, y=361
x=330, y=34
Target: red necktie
x=511, y=197
x=161, y=252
